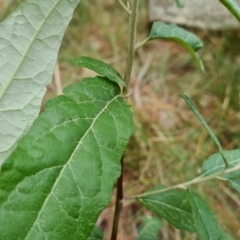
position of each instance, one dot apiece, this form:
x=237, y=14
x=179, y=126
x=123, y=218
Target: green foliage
x=235, y=183
x=179, y=35
x=101, y=68
x=149, y=229
x=62, y=172
x=61, y=175
x=233, y=7
x=173, y=206
x=204, y=220
x=96, y=234
x=215, y=164
x=29, y=45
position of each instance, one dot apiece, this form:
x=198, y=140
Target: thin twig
x=57, y=80
x=138, y=45
x=125, y=8
x=184, y=185
x=118, y=203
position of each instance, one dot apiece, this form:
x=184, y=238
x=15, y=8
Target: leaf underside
x=61, y=175
x=188, y=40
x=29, y=41
x=171, y=205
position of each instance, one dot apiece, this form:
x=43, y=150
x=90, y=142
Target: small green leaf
x=62, y=173
x=177, y=34
x=172, y=205
x=233, y=7
x=215, y=164
x=29, y=41
x=101, y=68
x=235, y=183
x=96, y=234
x=179, y=3
x=149, y=229
x=204, y=220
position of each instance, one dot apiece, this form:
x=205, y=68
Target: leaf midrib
x=68, y=161
x=27, y=50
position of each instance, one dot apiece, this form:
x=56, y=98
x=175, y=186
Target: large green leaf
x=101, y=68
x=29, y=41
x=233, y=7
x=177, y=34
x=172, y=205
x=215, y=164
x=61, y=175
x=149, y=229
x=204, y=220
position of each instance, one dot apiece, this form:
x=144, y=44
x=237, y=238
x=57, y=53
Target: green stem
x=204, y=123
x=131, y=41
x=233, y=7
x=118, y=203
x=128, y=70
x=125, y=8
x=184, y=185
x=138, y=45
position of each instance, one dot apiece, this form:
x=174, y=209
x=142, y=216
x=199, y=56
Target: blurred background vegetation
x=169, y=144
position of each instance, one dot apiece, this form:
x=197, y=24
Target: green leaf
x=179, y=3
x=172, y=205
x=204, y=220
x=101, y=68
x=62, y=173
x=96, y=234
x=179, y=35
x=29, y=41
x=215, y=164
x=235, y=183
x=149, y=229
x=233, y=7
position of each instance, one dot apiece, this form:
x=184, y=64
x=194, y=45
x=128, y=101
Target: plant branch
x=118, y=203
x=125, y=8
x=184, y=185
x=138, y=45
x=131, y=41
x=128, y=70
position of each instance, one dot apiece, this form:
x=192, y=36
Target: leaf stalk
x=124, y=7
x=184, y=185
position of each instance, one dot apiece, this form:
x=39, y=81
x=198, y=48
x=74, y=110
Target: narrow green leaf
x=29, y=41
x=61, y=175
x=179, y=35
x=96, y=234
x=216, y=164
x=204, y=220
x=149, y=229
x=233, y=7
x=235, y=183
x=204, y=123
x=101, y=68
x=172, y=205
